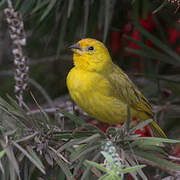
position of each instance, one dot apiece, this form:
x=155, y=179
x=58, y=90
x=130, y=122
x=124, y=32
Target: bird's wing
x=126, y=91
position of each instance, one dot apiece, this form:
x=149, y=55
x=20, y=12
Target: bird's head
x=90, y=54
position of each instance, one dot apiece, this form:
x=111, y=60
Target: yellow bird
x=102, y=89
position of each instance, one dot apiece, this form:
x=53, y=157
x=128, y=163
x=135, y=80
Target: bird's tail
x=157, y=131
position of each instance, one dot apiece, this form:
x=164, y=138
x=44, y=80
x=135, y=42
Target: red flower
x=101, y=126
x=149, y=43
x=127, y=29
x=148, y=23
x=145, y=132
x=173, y=35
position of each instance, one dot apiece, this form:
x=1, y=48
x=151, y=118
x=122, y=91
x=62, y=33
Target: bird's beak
x=76, y=48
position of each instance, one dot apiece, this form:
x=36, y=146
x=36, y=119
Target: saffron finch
x=102, y=89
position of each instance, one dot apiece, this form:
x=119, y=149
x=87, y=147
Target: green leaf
x=94, y=137
x=145, y=8
x=1, y=167
x=12, y=159
x=85, y=151
x=62, y=29
x=18, y=4
x=35, y=156
x=16, y=112
x=27, y=7
x=160, y=7
x=106, y=177
x=76, y=119
x=108, y=12
x=158, y=140
x=52, y=3
x=95, y=129
x=70, y=8
x=79, y=165
x=94, y=164
x=35, y=162
x=154, y=148
x=160, y=161
x=127, y=170
x=68, y=144
x=40, y=5
x=86, y=172
x=109, y=159
x=63, y=166
x=2, y=153
x=130, y=162
x=109, y=177
x=26, y=138
x=77, y=150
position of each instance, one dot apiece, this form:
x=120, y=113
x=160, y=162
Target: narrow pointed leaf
x=40, y=5
x=1, y=167
x=70, y=8
x=48, y=9
x=86, y=172
x=35, y=156
x=12, y=159
x=29, y=157
x=158, y=140
x=127, y=170
x=109, y=10
x=94, y=164
x=85, y=151
x=76, y=119
x=63, y=166
x=160, y=161
x=106, y=177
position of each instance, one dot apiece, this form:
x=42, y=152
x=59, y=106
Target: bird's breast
x=93, y=93
x=86, y=82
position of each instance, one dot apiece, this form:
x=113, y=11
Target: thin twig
x=43, y=92
x=47, y=110
x=174, y=158
x=59, y=155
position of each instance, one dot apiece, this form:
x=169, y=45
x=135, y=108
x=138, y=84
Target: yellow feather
x=102, y=89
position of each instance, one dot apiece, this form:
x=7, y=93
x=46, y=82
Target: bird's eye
x=90, y=48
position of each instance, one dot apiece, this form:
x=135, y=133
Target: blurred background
x=143, y=38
